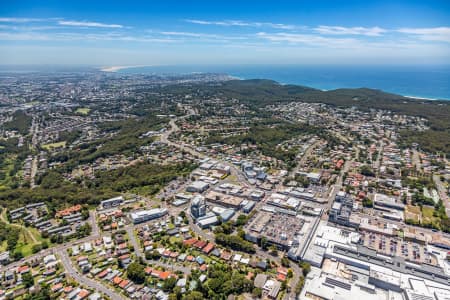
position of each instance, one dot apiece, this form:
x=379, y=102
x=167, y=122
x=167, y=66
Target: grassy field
x=174, y=239
x=427, y=215
x=25, y=244
x=5, y=169
x=3, y=246
x=83, y=111
x=427, y=211
x=54, y=145
x=28, y=237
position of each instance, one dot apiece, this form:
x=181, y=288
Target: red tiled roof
x=225, y=255
x=200, y=244
x=68, y=211
x=56, y=287
x=190, y=258
x=125, y=256
x=122, y=246
x=124, y=283
x=83, y=294
x=281, y=277
x=102, y=274
x=156, y=273
x=208, y=248
x=282, y=270
x=23, y=269
x=117, y=280
x=190, y=242
x=164, y=275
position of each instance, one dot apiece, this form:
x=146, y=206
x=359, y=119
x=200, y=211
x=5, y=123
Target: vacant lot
x=412, y=212
x=83, y=110
x=54, y=145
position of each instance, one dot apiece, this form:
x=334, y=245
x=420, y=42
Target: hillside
x=258, y=93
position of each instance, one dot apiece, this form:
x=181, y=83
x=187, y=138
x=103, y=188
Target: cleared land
x=412, y=212
x=54, y=145
x=83, y=110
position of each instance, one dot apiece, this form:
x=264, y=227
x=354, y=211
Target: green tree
x=28, y=280
x=169, y=284
x=36, y=248
x=257, y=292
x=367, y=202
x=152, y=255
x=17, y=255
x=193, y=295
x=306, y=267
x=136, y=273
x=285, y=261
x=263, y=243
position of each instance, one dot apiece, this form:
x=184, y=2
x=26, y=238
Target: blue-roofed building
x=261, y=176
x=227, y=214
x=200, y=260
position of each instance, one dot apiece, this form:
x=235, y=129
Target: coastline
x=284, y=81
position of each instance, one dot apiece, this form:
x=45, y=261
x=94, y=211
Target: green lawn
x=38, y=237
x=3, y=246
x=7, y=166
x=427, y=216
x=54, y=145
x=25, y=244
x=174, y=239
x=427, y=212
x=27, y=238
x=83, y=110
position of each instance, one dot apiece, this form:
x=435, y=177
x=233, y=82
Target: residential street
x=71, y=271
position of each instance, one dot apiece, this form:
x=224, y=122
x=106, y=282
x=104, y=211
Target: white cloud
x=6, y=36
x=204, y=37
x=26, y=28
x=309, y=39
x=243, y=24
x=339, y=30
x=19, y=20
x=429, y=34
x=189, y=34
x=89, y=24
x=32, y=36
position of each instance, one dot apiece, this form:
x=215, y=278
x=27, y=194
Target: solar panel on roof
x=338, y=283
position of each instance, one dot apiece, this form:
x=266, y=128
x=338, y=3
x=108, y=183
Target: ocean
x=430, y=82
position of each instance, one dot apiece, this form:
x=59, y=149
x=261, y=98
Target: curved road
x=73, y=272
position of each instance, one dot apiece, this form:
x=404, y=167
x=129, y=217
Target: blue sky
x=169, y=32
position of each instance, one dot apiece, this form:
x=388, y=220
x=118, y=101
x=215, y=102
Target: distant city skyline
x=104, y=33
